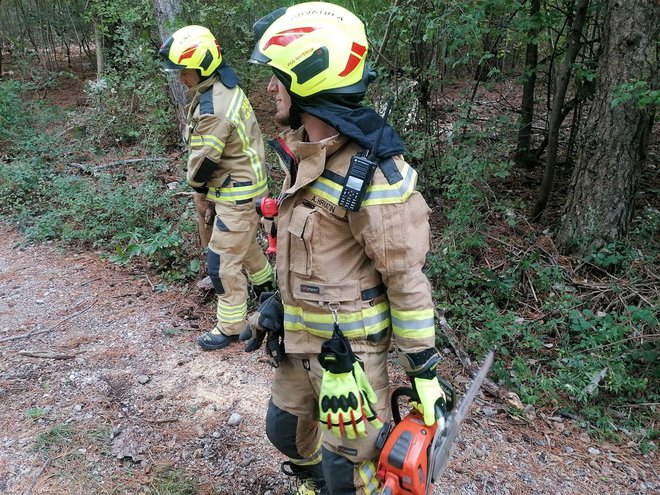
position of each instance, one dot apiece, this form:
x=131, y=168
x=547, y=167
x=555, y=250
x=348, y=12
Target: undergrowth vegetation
x=127, y=212
x=576, y=336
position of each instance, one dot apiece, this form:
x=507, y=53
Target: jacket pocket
x=346, y=291
x=301, y=228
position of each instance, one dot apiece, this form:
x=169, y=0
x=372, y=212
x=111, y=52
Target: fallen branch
x=39, y=332
x=489, y=386
x=47, y=354
x=183, y=194
x=162, y=420
x=37, y=475
x=92, y=169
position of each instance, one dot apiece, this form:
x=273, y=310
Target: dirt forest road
x=104, y=391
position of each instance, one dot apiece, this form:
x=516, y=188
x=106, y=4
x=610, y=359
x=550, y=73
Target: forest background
x=530, y=124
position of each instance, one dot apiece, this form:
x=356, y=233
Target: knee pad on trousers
x=281, y=428
x=338, y=473
x=213, y=268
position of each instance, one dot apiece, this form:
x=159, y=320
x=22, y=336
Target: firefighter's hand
x=432, y=398
x=346, y=403
x=209, y=213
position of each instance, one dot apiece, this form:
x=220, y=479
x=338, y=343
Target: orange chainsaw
x=415, y=455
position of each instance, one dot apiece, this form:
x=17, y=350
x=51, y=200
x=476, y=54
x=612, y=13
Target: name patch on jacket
x=310, y=289
x=325, y=204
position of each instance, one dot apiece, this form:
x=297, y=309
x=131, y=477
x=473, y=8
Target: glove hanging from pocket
x=346, y=399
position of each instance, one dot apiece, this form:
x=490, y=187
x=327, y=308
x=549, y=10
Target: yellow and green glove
x=421, y=370
x=346, y=399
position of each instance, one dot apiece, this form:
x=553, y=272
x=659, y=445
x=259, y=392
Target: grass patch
x=35, y=413
x=168, y=480
x=56, y=437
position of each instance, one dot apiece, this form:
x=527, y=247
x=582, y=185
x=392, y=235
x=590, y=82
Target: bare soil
x=105, y=391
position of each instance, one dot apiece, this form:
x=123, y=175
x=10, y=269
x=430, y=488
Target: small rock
x=605, y=471
x=235, y=419
x=115, y=432
x=489, y=412
x=593, y=451
x=204, y=284
x=569, y=450
x=78, y=407
x=143, y=379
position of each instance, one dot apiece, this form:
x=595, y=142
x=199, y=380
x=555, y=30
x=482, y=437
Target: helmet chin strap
x=294, y=116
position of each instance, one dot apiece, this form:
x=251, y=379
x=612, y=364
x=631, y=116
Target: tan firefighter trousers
x=233, y=248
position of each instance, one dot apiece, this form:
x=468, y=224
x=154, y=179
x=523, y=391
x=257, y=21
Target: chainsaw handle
x=396, y=395
x=413, y=396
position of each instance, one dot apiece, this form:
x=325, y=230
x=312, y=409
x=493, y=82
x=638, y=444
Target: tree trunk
x=100, y=58
x=573, y=49
x=600, y=206
x=523, y=157
x=166, y=12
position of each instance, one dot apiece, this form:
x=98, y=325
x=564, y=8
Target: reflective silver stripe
x=399, y=192
x=238, y=193
x=376, y=194
x=412, y=324
x=355, y=325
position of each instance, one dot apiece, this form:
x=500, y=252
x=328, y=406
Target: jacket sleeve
x=397, y=238
x=207, y=144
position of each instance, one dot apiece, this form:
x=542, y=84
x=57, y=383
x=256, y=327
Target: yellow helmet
x=192, y=47
x=313, y=48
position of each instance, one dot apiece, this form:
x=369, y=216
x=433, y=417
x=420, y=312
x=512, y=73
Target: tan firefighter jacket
x=365, y=264
x=226, y=146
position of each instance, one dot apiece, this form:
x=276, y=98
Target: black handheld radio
x=360, y=172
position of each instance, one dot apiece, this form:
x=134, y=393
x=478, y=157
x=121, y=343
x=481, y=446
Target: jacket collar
x=194, y=92
x=310, y=158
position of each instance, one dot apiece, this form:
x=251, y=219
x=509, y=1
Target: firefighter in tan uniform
x=226, y=163
x=350, y=277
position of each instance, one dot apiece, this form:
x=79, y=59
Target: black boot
x=306, y=482
x=261, y=288
x=213, y=340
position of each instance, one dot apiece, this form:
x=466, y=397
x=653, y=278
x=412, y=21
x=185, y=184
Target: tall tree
x=527, y=107
x=166, y=12
x=616, y=136
x=556, y=117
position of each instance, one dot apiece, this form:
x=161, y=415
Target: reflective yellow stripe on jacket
x=238, y=110
x=370, y=321
x=376, y=194
x=238, y=193
x=413, y=325
x=198, y=141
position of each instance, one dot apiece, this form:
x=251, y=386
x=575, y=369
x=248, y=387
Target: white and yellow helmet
x=313, y=48
x=192, y=47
